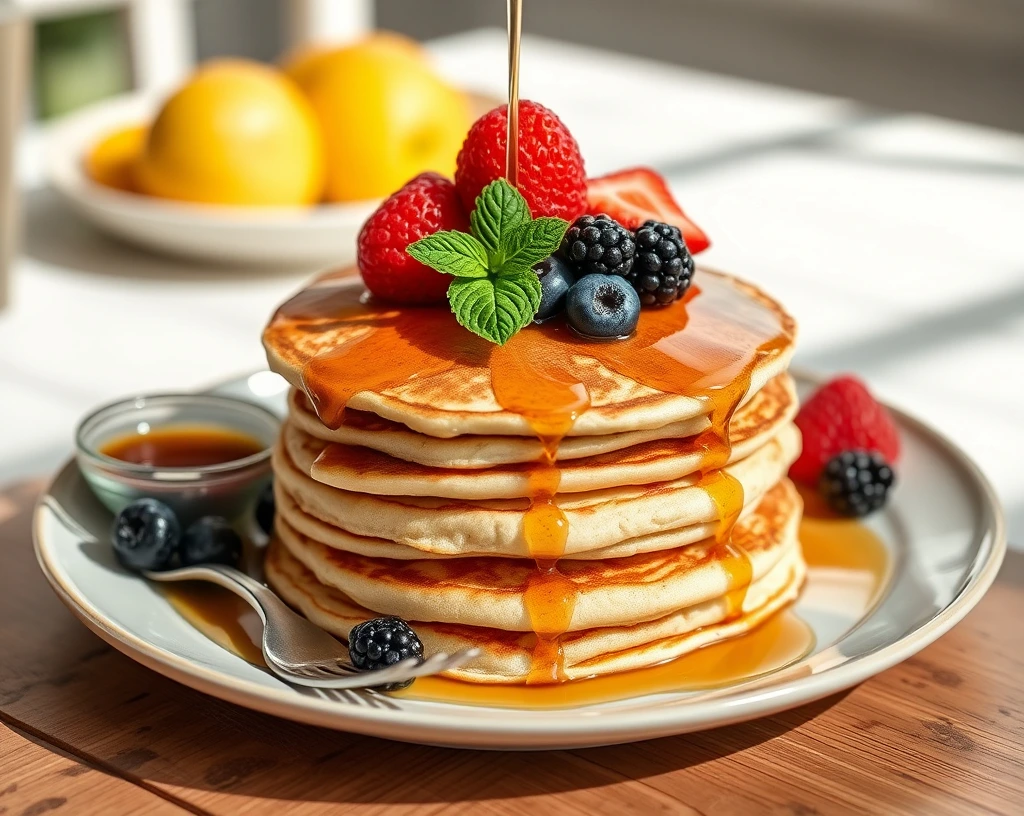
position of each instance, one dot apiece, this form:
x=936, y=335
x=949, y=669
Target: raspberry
x=842, y=415
x=427, y=204
x=551, y=176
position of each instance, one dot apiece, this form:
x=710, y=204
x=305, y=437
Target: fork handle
x=258, y=596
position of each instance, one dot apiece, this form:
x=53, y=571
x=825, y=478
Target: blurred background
x=957, y=58
x=863, y=160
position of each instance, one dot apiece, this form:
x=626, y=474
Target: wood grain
x=942, y=733
x=37, y=779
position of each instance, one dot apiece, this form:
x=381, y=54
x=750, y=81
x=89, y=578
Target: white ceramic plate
x=943, y=529
x=311, y=236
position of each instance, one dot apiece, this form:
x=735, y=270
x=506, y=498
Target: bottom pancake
x=628, y=635
x=507, y=657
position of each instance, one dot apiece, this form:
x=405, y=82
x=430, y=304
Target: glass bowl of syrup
x=198, y=453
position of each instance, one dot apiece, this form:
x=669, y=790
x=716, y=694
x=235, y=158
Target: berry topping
x=427, y=204
x=265, y=509
x=146, y=535
x=856, y=482
x=551, y=176
x=382, y=642
x=555, y=281
x=634, y=196
x=603, y=306
x=842, y=415
x=210, y=540
x=598, y=245
x=663, y=266
x=495, y=291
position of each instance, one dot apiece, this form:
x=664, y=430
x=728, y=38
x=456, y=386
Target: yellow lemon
x=302, y=64
x=385, y=116
x=111, y=161
x=236, y=133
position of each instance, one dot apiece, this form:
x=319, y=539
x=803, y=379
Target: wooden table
x=85, y=730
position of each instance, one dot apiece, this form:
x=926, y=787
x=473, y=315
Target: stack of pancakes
x=573, y=508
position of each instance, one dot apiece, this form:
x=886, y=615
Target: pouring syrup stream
x=515, y=31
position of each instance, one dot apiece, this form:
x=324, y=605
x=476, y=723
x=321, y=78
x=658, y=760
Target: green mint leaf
x=500, y=208
x=451, y=252
x=530, y=243
x=495, y=308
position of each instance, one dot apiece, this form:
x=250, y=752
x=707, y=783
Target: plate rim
x=437, y=728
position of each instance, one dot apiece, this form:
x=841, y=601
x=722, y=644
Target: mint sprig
x=495, y=292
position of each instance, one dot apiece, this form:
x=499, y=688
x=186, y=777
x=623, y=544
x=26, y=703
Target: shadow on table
x=55, y=234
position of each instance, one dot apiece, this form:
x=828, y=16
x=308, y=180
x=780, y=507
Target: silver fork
x=298, y=650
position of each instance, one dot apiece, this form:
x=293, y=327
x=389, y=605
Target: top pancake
x=418, y=367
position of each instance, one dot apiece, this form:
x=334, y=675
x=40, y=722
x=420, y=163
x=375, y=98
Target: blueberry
x=146, y=535
x=265, y=508
x=603, y=306
x=555, y=280
x=210, y=540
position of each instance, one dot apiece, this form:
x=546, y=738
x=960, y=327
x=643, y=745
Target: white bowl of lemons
x=248, y=164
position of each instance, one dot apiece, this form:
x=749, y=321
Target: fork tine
x=305, y=671
x=340, y=676
x=331, y=669
x=443, y=662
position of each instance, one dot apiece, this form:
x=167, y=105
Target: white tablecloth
x=894, y=238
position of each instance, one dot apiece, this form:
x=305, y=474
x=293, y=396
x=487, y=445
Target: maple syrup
x=223, y=617
x=182, y=446
x=779, y=642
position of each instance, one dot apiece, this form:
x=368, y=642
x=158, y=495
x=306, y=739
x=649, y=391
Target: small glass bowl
x=227, y=489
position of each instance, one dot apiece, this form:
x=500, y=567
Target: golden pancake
x=366, y=470
x=469, y=451
x=416, y=366
x=508, y=655
x=289, y=510
x=597, y=519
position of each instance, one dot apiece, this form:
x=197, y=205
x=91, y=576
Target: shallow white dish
x=943, y=529
x=306, y=236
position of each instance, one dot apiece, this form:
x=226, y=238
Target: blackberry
x=663, y=267
x=595, y=244
x=856, y=482
x=382, y=642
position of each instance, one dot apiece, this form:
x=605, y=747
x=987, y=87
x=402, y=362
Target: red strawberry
x=551, y=176
x=842, y=415
x=427, y=204
x=637, y=195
